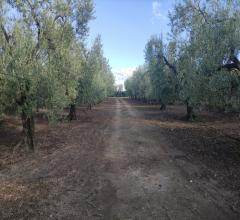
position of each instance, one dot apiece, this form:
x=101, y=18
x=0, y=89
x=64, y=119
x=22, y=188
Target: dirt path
x=112, y=165
x=149, y=183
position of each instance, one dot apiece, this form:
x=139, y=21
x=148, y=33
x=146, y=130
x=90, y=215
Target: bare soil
x=123, y=160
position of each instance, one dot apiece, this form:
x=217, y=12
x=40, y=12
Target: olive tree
x=97, y=81
x=38, y=50
x=204, y=32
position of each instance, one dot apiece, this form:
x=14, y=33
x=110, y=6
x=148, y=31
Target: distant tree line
x=199, y=65
x=119, y=92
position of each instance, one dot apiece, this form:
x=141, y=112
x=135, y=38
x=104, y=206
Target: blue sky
x=125, y=27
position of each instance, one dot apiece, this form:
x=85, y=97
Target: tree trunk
x=28, y=129
x=190, y=113
x=72, y=113
x=89, y=107
x=163, y=107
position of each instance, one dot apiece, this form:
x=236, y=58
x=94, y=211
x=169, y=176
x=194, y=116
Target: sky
x=125, y=27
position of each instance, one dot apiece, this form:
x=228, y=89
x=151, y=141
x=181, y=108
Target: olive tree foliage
x=203, y=32
x=155, y=81
x=41, y=53
x=161, y=76
x=139, y=86
x=97, y=81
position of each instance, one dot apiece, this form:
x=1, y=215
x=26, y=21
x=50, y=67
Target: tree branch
x=206, y=17
x=170, y=66
x=6, y=35
x=201, y=12
x=37, y=23
x=57, y=17
x=7, y=38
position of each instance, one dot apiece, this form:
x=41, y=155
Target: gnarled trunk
x=72, y=113
x=163, y=107
x=28, y=129
x=190, y=113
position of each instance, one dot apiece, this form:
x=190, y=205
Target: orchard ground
x=123, y=160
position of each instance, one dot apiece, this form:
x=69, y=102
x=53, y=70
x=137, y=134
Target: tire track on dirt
x=147, y=180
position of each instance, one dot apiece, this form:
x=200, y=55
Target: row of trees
x=44, y=61
x=188, y=67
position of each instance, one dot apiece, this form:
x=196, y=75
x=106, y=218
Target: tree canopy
x=44, y=61
x=188, y=67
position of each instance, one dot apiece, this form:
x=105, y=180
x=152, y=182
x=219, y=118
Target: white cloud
x=156, y=9
x=122, y=74
x=125, y=72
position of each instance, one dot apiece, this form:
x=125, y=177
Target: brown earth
x=123, y=160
